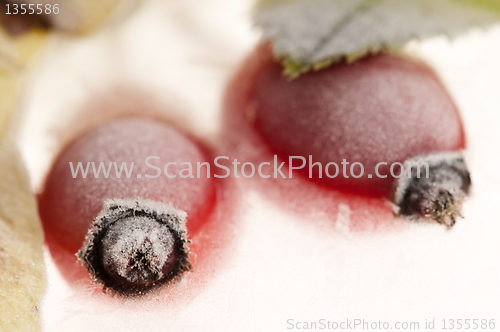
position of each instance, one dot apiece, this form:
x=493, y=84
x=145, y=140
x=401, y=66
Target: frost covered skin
x=155, y=248
x=382, y=108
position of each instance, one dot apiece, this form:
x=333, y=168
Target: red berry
x=382, y=108
x=68, y=205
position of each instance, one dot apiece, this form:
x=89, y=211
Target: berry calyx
x=133, y=246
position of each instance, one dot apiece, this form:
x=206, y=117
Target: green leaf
x=310, y=34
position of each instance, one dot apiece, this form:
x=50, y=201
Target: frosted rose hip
x=381, y=108
x=69, y=204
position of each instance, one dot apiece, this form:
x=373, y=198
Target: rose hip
x=148, y=196
x=381, y=110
